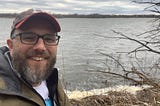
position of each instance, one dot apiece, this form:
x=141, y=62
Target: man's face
x=33, y=62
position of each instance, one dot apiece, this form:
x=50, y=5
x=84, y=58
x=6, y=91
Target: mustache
x=37, y=53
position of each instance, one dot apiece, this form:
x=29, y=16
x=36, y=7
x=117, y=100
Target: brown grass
x=146, y=97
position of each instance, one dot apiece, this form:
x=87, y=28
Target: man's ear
x=10, y=45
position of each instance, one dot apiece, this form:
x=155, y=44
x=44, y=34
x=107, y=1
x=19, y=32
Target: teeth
x=38, y=58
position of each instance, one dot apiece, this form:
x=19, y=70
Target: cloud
x=73, y=6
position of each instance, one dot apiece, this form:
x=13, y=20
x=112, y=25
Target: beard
x=35, y=74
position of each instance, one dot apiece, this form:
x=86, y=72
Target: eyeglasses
x=31, y=38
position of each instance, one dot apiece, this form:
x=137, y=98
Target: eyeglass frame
x=39, y=36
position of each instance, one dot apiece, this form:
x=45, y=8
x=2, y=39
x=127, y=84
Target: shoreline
x=9, y=15
x=121, y=96
x=77, y=94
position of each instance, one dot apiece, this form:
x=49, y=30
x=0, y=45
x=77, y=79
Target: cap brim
x=41, y=14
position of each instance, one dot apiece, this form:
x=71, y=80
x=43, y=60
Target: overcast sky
x=74, y=6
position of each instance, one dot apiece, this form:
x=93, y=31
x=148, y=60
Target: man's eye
x=50, y=39
x=28, y=38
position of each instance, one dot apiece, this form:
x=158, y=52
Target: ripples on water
x=79, y=44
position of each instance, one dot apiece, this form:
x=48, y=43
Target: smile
x=38, y=58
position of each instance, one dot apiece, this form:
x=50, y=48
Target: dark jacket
x=15, y=91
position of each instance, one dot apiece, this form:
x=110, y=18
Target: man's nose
x=40, y=45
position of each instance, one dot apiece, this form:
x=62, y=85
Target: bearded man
x=27, y=73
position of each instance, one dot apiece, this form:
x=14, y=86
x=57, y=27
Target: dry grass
x=146, y=97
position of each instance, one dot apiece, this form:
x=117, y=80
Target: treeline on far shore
x=5, y=15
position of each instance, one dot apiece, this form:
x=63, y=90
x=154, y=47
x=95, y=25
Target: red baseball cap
x=24, y=16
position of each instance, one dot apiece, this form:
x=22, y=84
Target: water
x=81, y=43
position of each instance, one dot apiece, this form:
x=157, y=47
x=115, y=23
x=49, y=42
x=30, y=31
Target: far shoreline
x=9, y=15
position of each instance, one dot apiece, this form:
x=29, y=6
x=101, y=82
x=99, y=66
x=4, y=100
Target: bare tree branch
x=143, y=44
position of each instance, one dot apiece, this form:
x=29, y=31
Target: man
x=27, y=73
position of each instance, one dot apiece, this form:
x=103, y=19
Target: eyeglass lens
x=32, y=38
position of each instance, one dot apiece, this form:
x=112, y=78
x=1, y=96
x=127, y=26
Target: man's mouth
x=38, y=58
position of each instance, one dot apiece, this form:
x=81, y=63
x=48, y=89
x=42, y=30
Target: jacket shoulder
x=8, y=80
x=3, y=49
x=4, y=64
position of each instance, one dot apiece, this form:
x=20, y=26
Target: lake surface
x=81, y=43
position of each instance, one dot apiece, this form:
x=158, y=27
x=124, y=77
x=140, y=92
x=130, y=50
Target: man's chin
x=35, y=75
